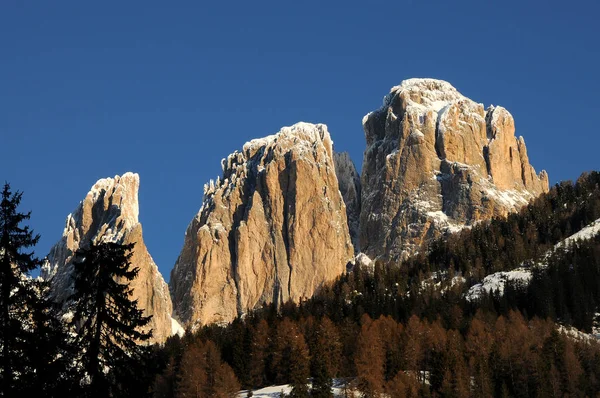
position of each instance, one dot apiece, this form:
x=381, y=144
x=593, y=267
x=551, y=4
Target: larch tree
x=370, y=359
x=204, y=374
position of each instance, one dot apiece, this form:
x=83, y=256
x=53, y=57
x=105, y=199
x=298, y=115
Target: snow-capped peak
x=427, y=93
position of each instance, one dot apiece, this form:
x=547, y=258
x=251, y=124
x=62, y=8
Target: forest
x=390, y=330
x=403, y=330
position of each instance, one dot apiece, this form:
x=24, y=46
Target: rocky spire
x=109, y=212
x=435, y=162
x=273, y=228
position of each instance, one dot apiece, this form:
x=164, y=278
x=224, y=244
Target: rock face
x=436, y=162
x=272, y=229
x=109, y=213
x=349, y=182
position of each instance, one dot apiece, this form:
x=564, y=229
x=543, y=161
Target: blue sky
x=166, y=89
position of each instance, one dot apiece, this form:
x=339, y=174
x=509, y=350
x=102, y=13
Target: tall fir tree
x=322, y=384
x=110, y=325
x=49, y=348
x=16, y=289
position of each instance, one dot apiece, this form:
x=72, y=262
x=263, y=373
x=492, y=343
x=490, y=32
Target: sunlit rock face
x=273, y=228
x=109, y=213
x=437, y=162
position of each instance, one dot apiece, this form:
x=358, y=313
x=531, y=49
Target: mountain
x=273, y=228
x=109, y=213
x=437, y=162
x=349, y=183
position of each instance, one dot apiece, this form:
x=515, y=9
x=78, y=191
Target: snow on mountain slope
x=587, y=232
x=497, y=281
x=275, y=391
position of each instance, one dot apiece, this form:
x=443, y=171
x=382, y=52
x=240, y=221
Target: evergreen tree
x=322, y=383
x=291, y=362
x=110, y=325
x=258, y=352
x=16, y=290
x=49, y=349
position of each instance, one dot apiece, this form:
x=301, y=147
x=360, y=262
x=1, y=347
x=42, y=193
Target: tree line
x=408, y=330
x=504, y=243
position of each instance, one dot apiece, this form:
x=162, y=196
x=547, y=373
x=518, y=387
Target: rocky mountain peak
x=272, y=228
x=109, y=213
x=436, y=162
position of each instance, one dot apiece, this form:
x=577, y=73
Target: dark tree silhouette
x=16, y=288
x=110, y=325
x=49, y=350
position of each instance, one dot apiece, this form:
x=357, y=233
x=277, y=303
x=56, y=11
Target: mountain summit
x=109, y=213
x=437, y=162
x=273, y=228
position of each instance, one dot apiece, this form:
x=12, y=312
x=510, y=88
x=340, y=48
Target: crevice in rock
x=486, y=157
x=284, y=184
x=439, y=141
x=240, y=214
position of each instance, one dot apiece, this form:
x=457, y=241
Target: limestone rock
x=109, y=213
x=272, y=229
x=349, y=182
x=436, y=162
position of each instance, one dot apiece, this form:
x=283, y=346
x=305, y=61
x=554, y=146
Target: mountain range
x=289, y=215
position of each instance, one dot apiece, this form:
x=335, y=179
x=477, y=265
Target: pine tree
x=110, y=325
x=16, y=289
x=322, y=383
x=49, y=350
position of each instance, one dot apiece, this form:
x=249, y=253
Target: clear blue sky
x=167, y=89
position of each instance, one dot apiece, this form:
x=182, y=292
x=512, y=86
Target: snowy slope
x=497, y=281
x=587, y=232
x=275, y=391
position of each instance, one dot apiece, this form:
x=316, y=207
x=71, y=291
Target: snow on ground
x=596, y=326
x=275, y=391
x=436, y=281
x=272, y=391
x=577, y=335
x=585, y=233
x=497, y=281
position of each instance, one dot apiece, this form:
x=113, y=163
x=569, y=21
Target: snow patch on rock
x=176, y=328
